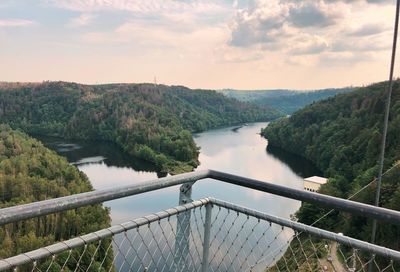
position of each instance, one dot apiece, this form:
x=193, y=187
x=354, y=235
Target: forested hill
x=30, y=172
x=342, y=136
x=285, y=101
x=152, y=122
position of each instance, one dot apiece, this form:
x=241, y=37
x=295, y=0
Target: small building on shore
x=312, y=184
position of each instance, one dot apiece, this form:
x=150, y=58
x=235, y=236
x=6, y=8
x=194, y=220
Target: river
x=238, y=150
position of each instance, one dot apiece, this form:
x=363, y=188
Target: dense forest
x=285, y=101
x=151, y=122
x=342, y=136
x=30, y=172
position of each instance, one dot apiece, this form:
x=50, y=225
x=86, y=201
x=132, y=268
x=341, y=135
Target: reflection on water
x=244, y=153
x=84, y=152
x=63, y=147
x=299, y=165
x=238, y=150
x=95, y=159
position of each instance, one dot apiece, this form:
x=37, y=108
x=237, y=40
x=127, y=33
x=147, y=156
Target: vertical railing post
x=183, y=230
x=206, y=242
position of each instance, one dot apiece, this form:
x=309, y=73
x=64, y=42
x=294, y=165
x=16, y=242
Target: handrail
x=321, y=233
x=40, y=208
x=57, y=248
x=353, y=207
x=92, y=237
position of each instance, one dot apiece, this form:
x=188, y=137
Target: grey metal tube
x=323, y=200
x=54, y=249
x=344, y=240
x=206, y=242
x=22, y=212
x=181, y=250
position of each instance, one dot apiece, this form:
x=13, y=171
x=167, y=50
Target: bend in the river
x=238, y=150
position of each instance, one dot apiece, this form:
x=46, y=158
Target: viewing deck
x=204, y=235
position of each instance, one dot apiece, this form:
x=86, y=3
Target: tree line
x=285, y=101
x=151, y=122
x=342, y=136
x=30, y=172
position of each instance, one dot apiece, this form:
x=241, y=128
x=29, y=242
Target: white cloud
x=368, y=30
x=215, y=43
x=292, y=28
x=235, y=3
x=141, y=6
x=15, y=23
x=362, y=44
x=270, y=21
x=306, y=44
x=346, y=58
x=262, y=22
x=229, y=54
x=146, y=38
x=174, y=13
x=315, y=13
x=82, y=20
x=326, y=28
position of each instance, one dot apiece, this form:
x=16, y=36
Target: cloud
x=361, y=1
x=332, y=59
x=265, y=33
x=315, y=14
x=148, y=38
x=269, y=21
x=366, y=44
x=345, y=58
x=262, y=22
x=307, y=44
x=177, y=12
x=229, y=54
x=140, y=6
x=82, y=20
x=380, y=1
x=368, y=30
x=15, y=23
x=306, y=32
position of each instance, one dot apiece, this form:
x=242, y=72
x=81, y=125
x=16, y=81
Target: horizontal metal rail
x=316, y=198
x=67, y=245
x=40, y=208
x=22, y=212
x=60, y=247
x=344, y=240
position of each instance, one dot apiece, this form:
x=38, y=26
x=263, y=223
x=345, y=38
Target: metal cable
x=386, y=119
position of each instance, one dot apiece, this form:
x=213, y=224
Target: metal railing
x=203, y=235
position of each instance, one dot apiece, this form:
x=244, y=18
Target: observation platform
x=204, y=235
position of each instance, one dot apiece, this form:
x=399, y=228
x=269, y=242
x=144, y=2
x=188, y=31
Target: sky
x=241, y=44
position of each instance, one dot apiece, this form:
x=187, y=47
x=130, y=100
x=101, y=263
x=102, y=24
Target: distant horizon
x=180, y=85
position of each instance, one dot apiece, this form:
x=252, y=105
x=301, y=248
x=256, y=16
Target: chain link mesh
x=238, y=242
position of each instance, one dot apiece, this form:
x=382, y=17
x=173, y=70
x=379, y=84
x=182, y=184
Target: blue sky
x=251, y=44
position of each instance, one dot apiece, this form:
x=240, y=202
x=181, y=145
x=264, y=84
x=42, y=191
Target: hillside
x=342, y=136
x=285, y=101
x=150, y=122
x=30, y=172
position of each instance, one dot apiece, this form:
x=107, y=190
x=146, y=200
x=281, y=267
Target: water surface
x=238, y=150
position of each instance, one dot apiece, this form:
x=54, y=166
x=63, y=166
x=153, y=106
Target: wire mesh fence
x=308, y=253
x=205, y=235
